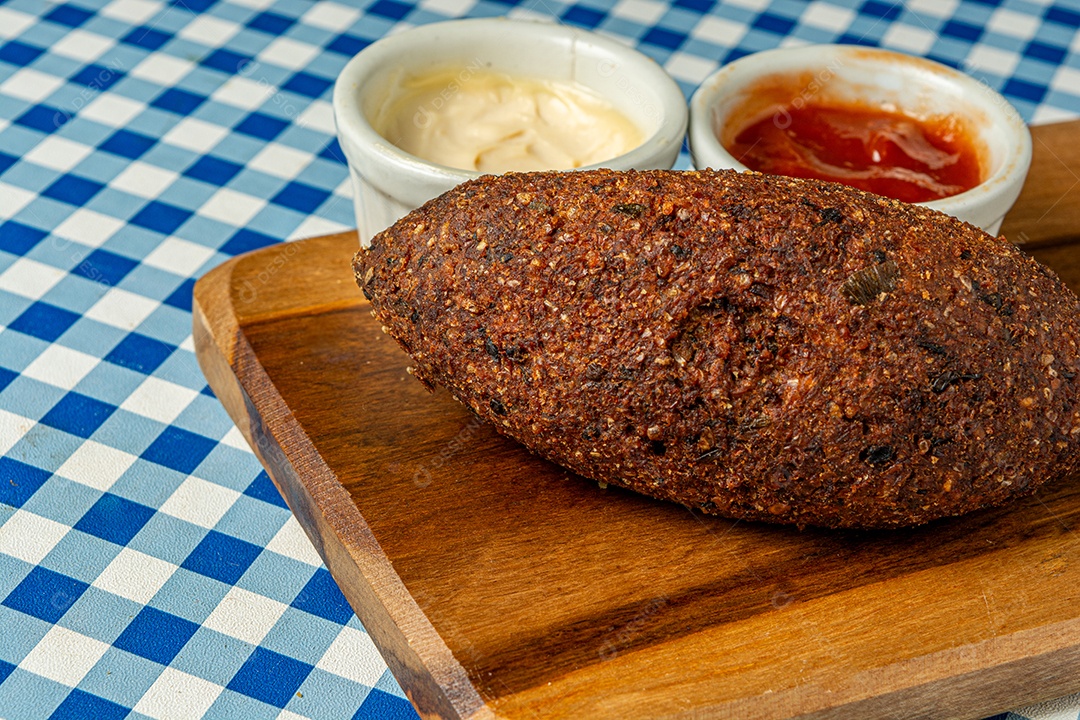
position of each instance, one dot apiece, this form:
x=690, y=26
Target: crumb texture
x=756, y=347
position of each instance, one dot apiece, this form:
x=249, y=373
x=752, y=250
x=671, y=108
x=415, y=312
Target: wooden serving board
x=498, y=585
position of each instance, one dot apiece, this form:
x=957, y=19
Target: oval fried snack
x=753, y=346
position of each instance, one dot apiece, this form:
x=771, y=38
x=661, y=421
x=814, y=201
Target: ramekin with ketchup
x=889, y=123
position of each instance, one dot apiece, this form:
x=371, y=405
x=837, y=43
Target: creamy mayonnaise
x=476, y=119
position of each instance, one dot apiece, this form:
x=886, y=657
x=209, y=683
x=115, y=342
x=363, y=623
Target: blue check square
x=583, y=16
x=6, y=161
x=261, y=126
x=115, y=519
x=80, y=704
x=73, y=190
x=5, y=670
x=43, y=118
x=1024, y=90
x=1064, y=16
x=288, y=675
x=6, y=377
x=390, y=9
x=300, y=197
x=304, y=83
x=105, y=267
x=140, y=353
x=45, y=594
x=379, y=705
x=156, y=635
x=146, y=38
x=69, y=15
x=178, y=101
x=348, y=45
x=44, y=321
x=179, y=449
x=161, y=217
x=78, y=414
x=97, y=77
x=182, y=295
x=271, y=22
x=20, y=54
x=321, y=596
x=245, y=240
x=18, y=481
x=126, y=143
x=263, y=488
x=227, y=61
x=222, y=557
x=18, y=239
x=213, y=170
x=881, y=10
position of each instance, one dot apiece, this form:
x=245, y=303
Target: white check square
x=88, y=227
x=30, y=85
x=916, y=40
x=690, y=68
x=245, y=615
x=1012, y=23
x=82, y=45
x=315, y=226
x=646, y=12
x=195, y=135
x=208, y=30
x=96, y=465
x=178, y=256
x=318, y=115
x=827, y=17
x=280, y=161
x=331, y=16
x=143, y=180
x=57, y=153
x=200, y=502
x=292, y=542
x=64, y=656
x=163, y=70
x=244, y=92
x=232, y=207
x=61, y=366
x=159, y=400
x=289, y=53
x=30, y=537
x=13, y=199
x=175, y=695
x=719, y=31
x=984, y=58
x=12, y=429
x=354, y=657
x=134, y=12
x=112, y=110
x=135, y=575
x=13, y=23
x=235, y=439
x=30, y=278
x=122, y=309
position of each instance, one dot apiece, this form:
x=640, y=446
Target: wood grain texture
x=498, y=585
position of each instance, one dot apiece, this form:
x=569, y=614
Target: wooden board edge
x=436, y=684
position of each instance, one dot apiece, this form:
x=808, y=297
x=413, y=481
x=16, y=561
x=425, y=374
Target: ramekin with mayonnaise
x=424, y=110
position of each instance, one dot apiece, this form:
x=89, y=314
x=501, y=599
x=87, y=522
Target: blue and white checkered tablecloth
x=148, y=567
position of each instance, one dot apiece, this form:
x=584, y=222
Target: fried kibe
x=756, y=347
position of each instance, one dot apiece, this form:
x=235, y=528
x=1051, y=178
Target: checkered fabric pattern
x=148, y=567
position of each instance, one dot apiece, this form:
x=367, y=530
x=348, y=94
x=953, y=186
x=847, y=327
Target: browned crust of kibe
x=757, y=347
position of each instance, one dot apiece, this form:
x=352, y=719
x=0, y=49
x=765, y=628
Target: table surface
x=148, y=566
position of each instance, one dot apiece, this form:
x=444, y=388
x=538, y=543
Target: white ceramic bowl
x=388, y=182
x=737, y=95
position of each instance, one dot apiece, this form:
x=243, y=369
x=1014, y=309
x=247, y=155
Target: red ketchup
x=884, y=152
